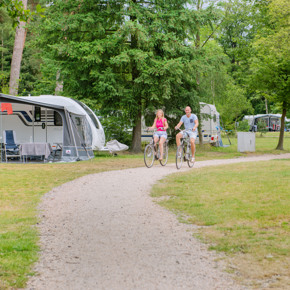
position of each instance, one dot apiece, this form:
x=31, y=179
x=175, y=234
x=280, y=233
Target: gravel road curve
x=103, y=231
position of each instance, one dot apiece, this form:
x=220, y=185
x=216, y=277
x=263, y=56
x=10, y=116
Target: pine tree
x=127, y=55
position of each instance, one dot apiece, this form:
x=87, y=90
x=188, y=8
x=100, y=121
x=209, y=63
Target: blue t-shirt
x=189, y=122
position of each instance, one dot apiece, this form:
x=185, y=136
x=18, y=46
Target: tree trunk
x=17, y=55
x=200, y=133
x=2, y=50
x=136, y=138
x=282, y=128
x=197, y=45
x=136, y=141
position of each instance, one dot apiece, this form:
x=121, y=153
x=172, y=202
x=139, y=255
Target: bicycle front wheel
x=164, y=160
x=149, y=155
x=179, y=156
x=189, y=162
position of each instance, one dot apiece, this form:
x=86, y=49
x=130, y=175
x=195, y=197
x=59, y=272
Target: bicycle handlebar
x=154, y=130
x=184, y=130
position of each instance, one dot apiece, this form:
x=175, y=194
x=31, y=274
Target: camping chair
x=56, y=151
x=11, y=150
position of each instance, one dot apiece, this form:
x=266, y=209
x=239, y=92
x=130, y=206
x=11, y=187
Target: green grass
x=243, y=210
x=22, y=186
x=264, y=145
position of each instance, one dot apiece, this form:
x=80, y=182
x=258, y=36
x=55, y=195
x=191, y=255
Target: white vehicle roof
x=68, y=103
x=212, y=107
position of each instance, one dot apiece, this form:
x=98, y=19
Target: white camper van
x=210, y=123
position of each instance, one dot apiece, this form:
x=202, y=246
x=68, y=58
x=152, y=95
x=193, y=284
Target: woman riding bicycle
x=161, y=124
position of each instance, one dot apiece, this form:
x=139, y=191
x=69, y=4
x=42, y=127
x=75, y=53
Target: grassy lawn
x=243, y=211
x=22, y=186
x=264, y=145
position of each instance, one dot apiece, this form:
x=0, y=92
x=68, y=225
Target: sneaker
x=179, y=155
x=192, y=160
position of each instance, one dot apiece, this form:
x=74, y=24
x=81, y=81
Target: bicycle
x=150, y=153
x=183, y=152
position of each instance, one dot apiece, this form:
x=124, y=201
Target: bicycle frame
x=184, y=151
x=154, y=153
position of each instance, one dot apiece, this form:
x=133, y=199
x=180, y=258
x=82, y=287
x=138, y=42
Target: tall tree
x=128, y=55
x=6, y=47
x=19, y=42
x=271, y=64
x=16, y=10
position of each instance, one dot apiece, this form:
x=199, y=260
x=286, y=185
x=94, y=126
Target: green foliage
x=235, y=104
x=271, y=64
x=18, y=13
x=7, y=37
x=262, y=126
x=127, y=55
x=117, y=126
x=243, y=126
x=243, y=19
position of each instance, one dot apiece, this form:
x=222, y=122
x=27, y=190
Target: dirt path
x=103, y=231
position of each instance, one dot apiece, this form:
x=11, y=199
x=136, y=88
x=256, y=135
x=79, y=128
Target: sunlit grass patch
x=244, y=211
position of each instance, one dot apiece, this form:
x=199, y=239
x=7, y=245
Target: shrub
x=262, y=126
x=243, y=126
x=117, y=127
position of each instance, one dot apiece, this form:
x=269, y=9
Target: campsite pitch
x=103, y=231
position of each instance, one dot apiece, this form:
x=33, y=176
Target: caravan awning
x=6, y=99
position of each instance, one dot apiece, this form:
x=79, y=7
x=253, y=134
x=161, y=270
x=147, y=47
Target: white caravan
x=72, y=105
x=62, y=122
x=210, y=124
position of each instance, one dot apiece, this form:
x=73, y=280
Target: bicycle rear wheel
x=179, y=156
x=163, y=162
x=149, y=155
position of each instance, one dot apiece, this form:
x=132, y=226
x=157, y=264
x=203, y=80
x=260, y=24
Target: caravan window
x=89, y=112
x=78, y=121
x=57, y=119
x=37, y=114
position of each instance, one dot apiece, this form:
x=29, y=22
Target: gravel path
x=103, y=231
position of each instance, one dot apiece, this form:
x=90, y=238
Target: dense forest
x=134, y=56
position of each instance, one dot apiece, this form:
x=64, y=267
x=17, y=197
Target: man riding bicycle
x=190, y=122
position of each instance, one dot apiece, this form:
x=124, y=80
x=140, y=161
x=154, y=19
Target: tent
x=65, y=128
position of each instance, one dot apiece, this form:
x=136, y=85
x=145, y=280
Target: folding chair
x=11, y=149
x=56, y=151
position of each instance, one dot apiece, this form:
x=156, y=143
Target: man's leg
x=178, y=137
x=192, y=143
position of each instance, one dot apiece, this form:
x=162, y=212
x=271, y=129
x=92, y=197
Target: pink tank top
x=160, y=124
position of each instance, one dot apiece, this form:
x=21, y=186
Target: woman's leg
x=156, y=138
x=161, y=142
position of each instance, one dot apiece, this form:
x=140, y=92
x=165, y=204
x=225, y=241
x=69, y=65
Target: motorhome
x=62, y=122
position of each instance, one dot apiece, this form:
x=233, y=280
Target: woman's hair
x=160, y=111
